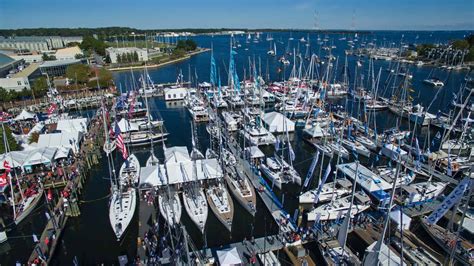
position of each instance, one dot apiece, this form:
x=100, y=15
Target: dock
x=146, y=220
x=264, y=190
x=68, y=205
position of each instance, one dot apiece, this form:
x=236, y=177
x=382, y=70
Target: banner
x=323, y=181
x=453, y=198
x=309, y=175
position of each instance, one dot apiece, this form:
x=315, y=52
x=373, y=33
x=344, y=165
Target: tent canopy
x=44, y=155
x=229, y=257
x=275, y=122
x=62, y=152
x=72, y=125
x=177, y=154
x=63, y=139
x=24, y=115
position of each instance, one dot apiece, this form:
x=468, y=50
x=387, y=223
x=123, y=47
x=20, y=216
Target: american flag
x=119, y=142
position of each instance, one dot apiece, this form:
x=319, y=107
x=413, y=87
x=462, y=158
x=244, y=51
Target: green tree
x=47, y=57
x=191, y=45
x=135, y=56
x=92, y=44
x=105, y=77
x=178, y=53
x=119, y=58
x=460, y=44
x=470, y=40
x=13, y=145
x=40, y=86
x=107, y=59
x=4, y=97
x=78, y=72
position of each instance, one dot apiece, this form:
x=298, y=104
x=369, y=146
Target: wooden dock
x=68, y=206
x=146, y=220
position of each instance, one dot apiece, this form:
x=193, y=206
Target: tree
x=107, y=59
x=13, y=145
x=191, y=45
x=470, y=40
x=178, y=53
x=92, y=44
x=4, y=97
x=460, y=44
x=40, y=86
x=78, y=72
x=119, y=58
x=135, y=56
x=105, y=77
x=79, y=56
x=47, y=57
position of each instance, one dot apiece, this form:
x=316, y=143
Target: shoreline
x=188, y=56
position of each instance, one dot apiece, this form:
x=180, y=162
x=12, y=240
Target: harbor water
x=90, y=238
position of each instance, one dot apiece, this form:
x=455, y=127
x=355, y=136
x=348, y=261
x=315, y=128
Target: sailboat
x=123, y=201
x=130, y=171
x=240, y=186
x=221, y=204
x=193, y=196
x=327, y=193
x=170, y=207
x=334, y=209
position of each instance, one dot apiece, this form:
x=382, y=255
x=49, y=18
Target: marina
x=273, y=148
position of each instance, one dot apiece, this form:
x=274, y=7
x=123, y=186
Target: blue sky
x=156, y=14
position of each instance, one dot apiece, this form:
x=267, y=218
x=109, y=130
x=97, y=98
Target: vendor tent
x=44, y=155
x=62, y=152
x=14, y=158
x=275, y=123
x=229, y=257
x=72, y=125
x=24, y=115
x=62, y=139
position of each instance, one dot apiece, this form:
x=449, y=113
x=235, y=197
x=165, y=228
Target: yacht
x=141, y=138
x=356, y=146
x=258, y=135
x=130, y=172
x=27, y=204
x=419, y=193
x=329, y=191
x=434, y=82
x=170, y=207
x=236, y=101
x=196, y=205
x=279, y=171
x=122, y=205
x=338, y=208
x=221, y=204
x=240, y=186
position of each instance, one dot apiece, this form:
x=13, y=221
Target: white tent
x=44, y=155
x=62, y=152
x=126, y=126
x=275, y=122
x=14, y=158
x=401, y=219
x=315, y=131
x=72, y=125
x=229, y=257
x=24, y=115
x=149, y=177
x=64, y=139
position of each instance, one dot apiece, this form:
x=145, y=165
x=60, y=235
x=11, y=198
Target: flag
x=292, y=153
x=453, y=198
x=342, y=234
x=309, y=175
x=323, y=181
x=212, y=77
x=277, y=144
x=7, y=166
x=52, y=108
x=3, y=179
x=119, y=142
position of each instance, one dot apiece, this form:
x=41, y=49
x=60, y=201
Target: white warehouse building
x=113, y=52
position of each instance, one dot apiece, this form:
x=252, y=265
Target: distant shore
x=186, y=57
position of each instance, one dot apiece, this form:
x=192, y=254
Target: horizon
x=324, y=15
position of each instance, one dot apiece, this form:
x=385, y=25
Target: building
x=68, y=53
x=113, y=52
x=175, y=94
x=21, y=77
x=58, y=68
x=37, y=43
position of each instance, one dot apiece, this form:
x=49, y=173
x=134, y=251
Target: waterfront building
x=114, y=53
x=37, y=43
x=58, y=68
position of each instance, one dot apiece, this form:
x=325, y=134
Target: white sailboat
x=337, y=208
x=122, y=207
x=170, y=207
x=196, y=206
x=240, y=186
x=130, y=171
x=279, y=172
x=328, y=192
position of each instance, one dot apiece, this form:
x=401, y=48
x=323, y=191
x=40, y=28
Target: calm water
x=90, y=236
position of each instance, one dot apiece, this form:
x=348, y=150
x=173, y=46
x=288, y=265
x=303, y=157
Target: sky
x=294, y=14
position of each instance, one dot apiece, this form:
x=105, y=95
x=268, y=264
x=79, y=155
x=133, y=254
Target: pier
x=68, y=203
